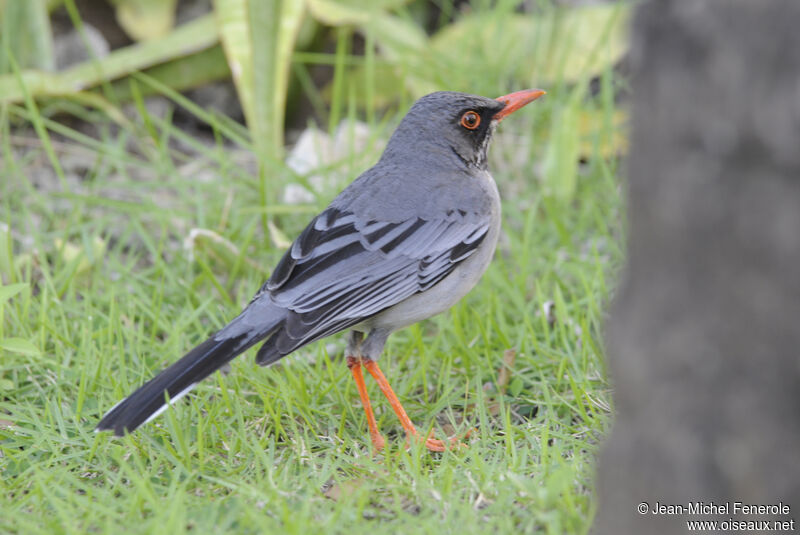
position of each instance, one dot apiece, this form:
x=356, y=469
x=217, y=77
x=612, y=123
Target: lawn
x=107, y=280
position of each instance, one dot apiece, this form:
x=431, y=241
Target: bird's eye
x=470, y=120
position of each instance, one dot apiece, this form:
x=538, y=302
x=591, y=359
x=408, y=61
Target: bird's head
x=454, y=126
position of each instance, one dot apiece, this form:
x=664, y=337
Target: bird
x=404, y=241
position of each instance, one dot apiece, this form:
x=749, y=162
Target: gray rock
x=318, y=158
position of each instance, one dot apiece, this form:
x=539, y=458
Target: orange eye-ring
x=470, y=120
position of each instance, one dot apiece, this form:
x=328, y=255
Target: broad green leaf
x=188, y=39
x=19, y=345
x=180, y=74
x=234, y=31
x=335, y=13
x=25, y=29
x=9, y=291
x=258, y=37
x=274, y=46
x=146, y=19
x=349, y=12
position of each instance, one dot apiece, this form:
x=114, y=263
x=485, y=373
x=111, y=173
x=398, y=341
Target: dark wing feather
x=341, y=271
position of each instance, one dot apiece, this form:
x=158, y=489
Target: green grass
x=286, y=448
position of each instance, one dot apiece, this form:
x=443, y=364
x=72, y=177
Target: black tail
x=149, y=400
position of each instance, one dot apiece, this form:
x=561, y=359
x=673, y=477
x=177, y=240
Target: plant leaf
x=25, y=29
x=180, y=74
x=9, y=291
x=188, y=39
x=258, y=39
x=19, y=345
x=143, y=20
x=349, y=12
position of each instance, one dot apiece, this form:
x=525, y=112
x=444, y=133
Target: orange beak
x=515, y=101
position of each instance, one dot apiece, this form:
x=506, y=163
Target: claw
x=434, y=444
x=378, y=442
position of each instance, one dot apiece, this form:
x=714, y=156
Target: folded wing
x=342, y=270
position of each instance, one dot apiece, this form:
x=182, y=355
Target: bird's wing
x=342, y=270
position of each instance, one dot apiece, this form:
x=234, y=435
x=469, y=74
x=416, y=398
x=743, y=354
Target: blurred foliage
x=258, y=38
x=188, y=40
x=8, y=343
x=383, y=51
x=25, y=31
x=547, y=46
x=542, y=49
x=145, y=19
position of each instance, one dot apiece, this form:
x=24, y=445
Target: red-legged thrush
x=405, y=241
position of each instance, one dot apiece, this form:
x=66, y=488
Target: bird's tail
x=150, y=399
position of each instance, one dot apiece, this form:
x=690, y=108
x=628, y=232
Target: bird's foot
x=378, y=442
x=435, y=444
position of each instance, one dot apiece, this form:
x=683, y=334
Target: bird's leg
x=354, y=363
x=411, y=431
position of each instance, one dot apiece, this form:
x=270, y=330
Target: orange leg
x=355, y=368
x=411, y=431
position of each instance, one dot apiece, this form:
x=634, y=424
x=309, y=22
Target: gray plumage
x=403, y=242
